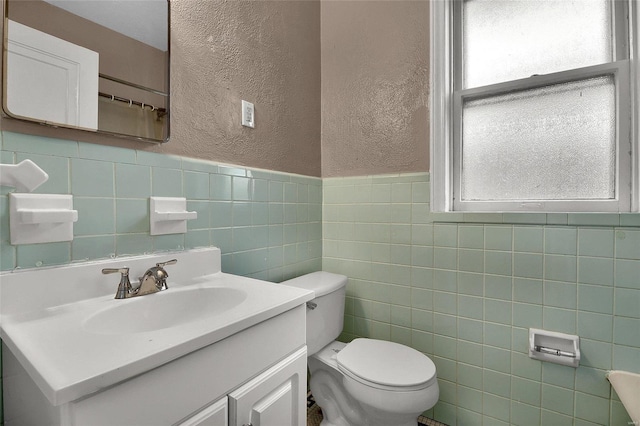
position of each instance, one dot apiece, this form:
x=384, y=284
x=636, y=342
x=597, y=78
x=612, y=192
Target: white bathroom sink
x=169, y=308
x=73, y=338
x=627, y=386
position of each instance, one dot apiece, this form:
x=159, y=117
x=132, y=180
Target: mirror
x=96, y=65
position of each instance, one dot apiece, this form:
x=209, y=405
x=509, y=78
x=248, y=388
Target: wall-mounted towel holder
x=41, y=218
x=169, y=215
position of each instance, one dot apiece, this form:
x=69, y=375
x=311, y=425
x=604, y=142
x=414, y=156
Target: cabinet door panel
x=276, y=408
x=274, y=398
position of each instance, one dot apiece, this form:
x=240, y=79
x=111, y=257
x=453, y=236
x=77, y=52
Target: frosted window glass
x=508, y=40
x=551, y=143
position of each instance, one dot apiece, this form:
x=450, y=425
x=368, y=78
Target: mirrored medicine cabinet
x=95, y=65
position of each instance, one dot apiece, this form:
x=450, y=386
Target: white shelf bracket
x=41, y=218
x=169, y=215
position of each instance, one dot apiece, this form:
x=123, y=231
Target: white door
x=274, y=398
x=50, y=79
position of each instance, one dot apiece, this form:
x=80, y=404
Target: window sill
x=630, y=220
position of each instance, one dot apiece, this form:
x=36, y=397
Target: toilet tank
x=325, y=313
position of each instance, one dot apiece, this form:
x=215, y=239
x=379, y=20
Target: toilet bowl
x=366, y=382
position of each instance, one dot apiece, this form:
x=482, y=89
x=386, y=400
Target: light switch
x=248, y=117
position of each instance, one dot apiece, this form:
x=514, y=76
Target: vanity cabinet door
x=274, y=398
x=214, y=415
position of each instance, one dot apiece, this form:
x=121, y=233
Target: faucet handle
x=168, y=262
x=124, y=287
x=123, y=271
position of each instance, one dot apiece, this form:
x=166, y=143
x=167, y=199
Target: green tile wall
x=465, y=288
x=267, y=224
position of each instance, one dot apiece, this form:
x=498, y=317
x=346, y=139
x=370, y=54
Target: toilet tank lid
x=320, y=282
x=387, y=364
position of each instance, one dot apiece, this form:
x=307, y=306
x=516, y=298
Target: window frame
x=446, y=112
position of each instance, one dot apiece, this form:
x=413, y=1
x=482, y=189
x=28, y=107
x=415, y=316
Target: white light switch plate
x=248, y=116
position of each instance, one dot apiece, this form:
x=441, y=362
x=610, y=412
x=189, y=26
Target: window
x=534, y=105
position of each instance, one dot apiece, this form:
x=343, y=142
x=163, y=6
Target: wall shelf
x=169, y=215
x=41, y=218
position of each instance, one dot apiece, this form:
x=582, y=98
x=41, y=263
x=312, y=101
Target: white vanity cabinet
x=273, y=397
x=262, y=369
x=213, y=349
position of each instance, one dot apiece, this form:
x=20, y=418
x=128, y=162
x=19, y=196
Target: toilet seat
x=386, y=365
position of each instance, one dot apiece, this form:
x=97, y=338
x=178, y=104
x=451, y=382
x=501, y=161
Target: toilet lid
x=386, y=364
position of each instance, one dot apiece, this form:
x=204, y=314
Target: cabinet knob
x=247, y=424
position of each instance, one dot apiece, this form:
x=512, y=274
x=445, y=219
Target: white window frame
x=445, y=107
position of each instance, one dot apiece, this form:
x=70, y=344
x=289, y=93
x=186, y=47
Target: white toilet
x=366, y=382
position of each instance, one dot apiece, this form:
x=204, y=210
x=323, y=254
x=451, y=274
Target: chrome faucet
x=153, y=281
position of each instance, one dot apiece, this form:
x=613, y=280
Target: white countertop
x=67, y=361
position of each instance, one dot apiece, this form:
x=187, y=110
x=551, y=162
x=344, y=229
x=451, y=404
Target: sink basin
x=627, y=386
x=169, y=308
x=62, y=323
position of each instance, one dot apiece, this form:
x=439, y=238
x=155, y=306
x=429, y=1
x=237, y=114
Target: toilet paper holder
x=559, y=348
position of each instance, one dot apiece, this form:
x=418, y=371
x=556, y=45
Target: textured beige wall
x=371, y=57
x=375, y=78
x=266, y=52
